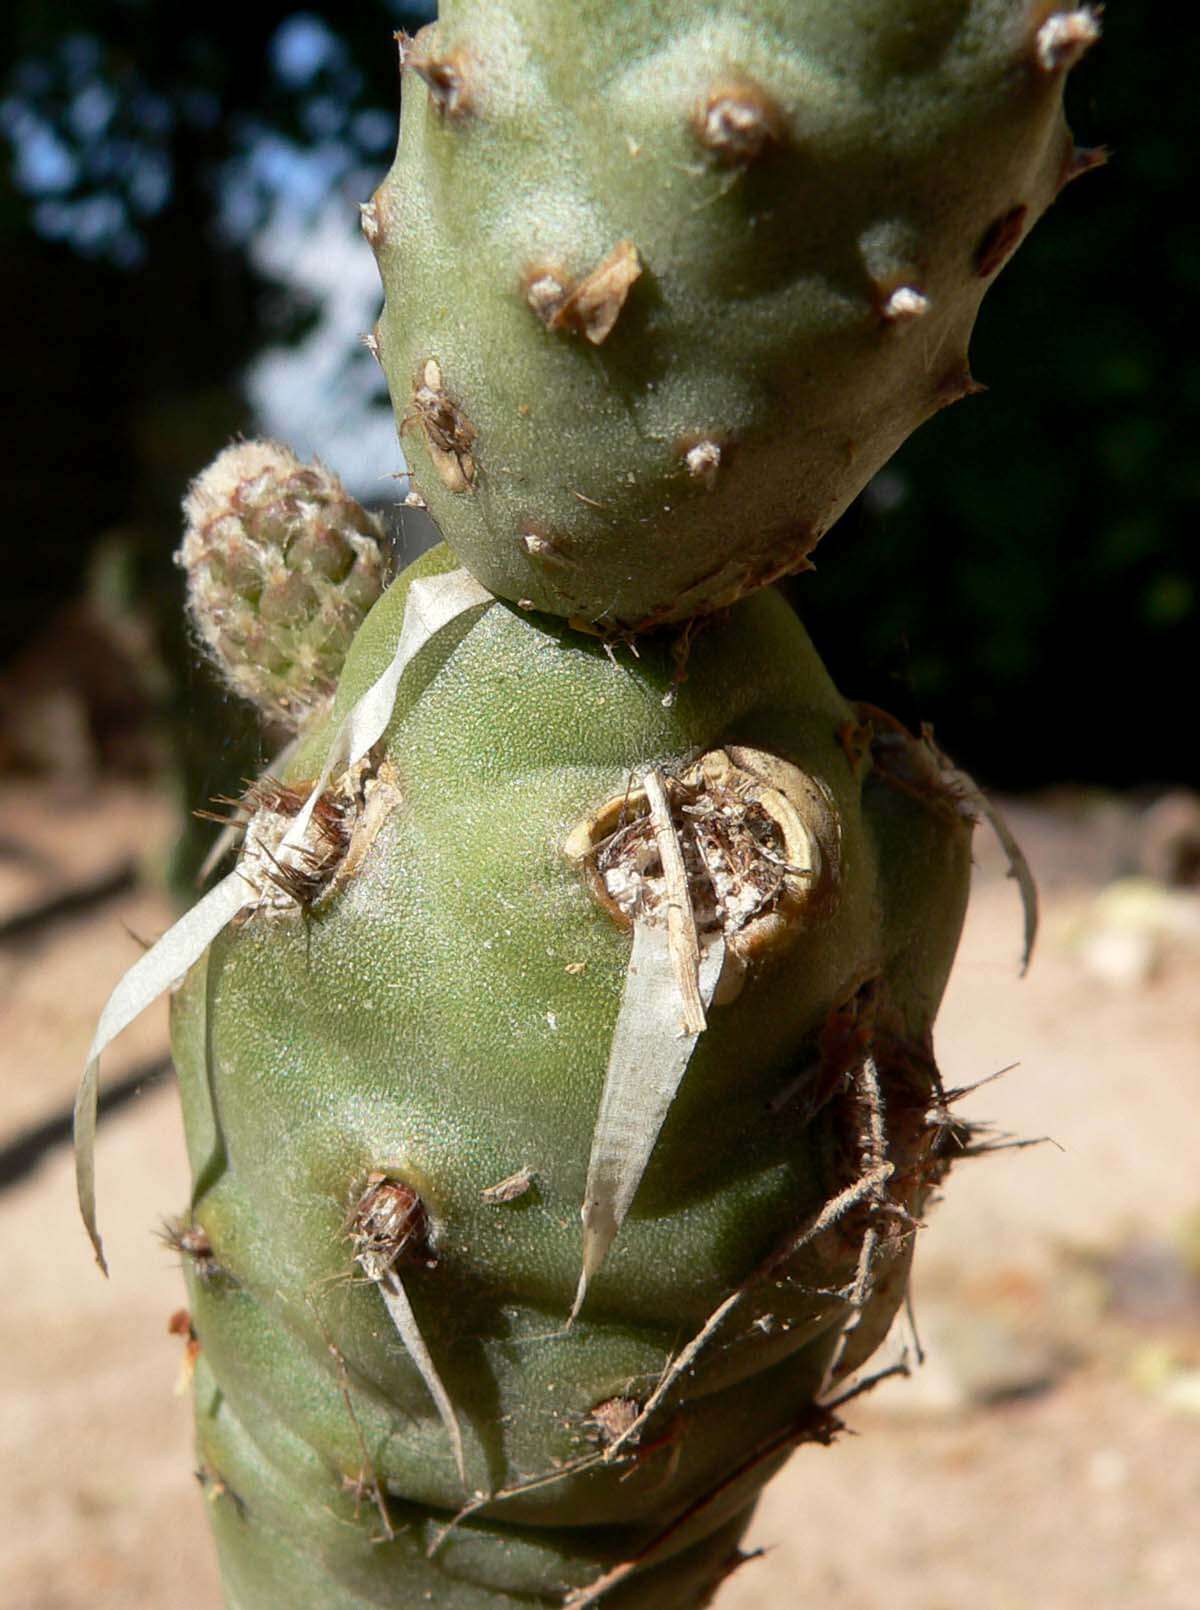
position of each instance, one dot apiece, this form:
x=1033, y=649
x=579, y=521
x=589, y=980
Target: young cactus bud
x=282, y=565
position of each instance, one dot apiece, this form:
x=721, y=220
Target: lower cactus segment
x=398, y=1076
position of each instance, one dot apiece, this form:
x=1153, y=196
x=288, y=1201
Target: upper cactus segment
x=282, y=566
x=663, y=295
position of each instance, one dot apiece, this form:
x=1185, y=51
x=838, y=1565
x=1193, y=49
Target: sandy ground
x=1048, y=1453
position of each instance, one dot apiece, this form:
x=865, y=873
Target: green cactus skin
x=441, y=1015
x=282, y=566
x=661, y=297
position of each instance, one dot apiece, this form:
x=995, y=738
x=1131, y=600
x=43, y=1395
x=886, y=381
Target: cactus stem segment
x=826, y=1218
x=1063, y=38
x=431, y=605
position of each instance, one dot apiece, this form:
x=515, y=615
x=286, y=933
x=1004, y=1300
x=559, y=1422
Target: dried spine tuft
x=389, y=1229
x=589, y=306
x=448, y=77
x=192, y=1243
x=368, y=217
x=448, y=432
x=759, y=840
x=1063, y=38
x=905, y=304
x=388, y=1225
x=703, y=460
x=738, y=124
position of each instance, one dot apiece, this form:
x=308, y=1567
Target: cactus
x=662, y=296
x=534, y=925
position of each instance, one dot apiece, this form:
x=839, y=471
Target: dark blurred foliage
x=147, y=144
x=1021, y=574
x=1024, y=573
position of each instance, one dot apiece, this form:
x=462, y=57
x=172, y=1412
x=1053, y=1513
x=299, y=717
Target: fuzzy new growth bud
x=282, y=566
x=1063, y=38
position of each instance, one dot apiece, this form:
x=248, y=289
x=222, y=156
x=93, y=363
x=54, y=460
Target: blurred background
x=181, y=262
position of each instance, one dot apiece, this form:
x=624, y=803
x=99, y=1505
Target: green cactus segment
x=661, y=298
x=399, y=1080
x=282, y=565
x=297, y=845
